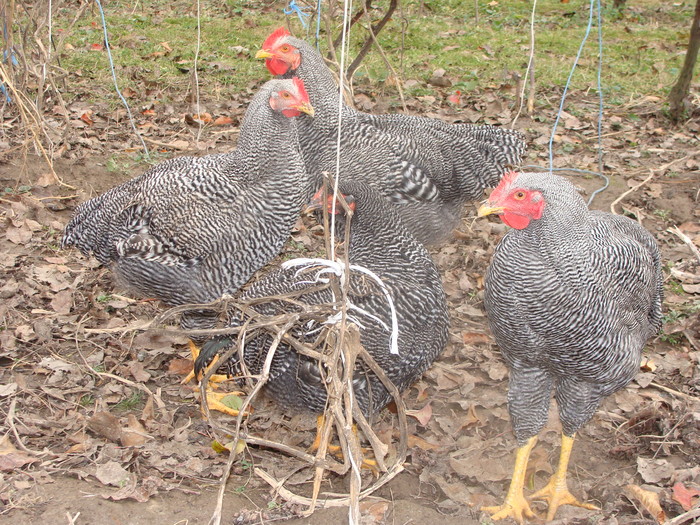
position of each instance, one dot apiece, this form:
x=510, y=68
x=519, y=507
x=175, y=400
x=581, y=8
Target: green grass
x=132, y=402
x=644, y=46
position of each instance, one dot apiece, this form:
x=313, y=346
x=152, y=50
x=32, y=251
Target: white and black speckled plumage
x=380, y=243
x=193, y=228
x=426, y=167
x=571, y=301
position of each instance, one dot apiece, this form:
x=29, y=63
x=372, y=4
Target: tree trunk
x=680, y=91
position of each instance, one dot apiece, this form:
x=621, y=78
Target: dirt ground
x=99, y=430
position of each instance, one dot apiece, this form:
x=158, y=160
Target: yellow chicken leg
x=335, y=450
x=556, y=492
x=516, y=506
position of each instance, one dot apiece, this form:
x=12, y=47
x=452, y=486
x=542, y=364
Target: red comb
x=276, y=34
x=503, y=186
x=299, y=84
x=510, y=176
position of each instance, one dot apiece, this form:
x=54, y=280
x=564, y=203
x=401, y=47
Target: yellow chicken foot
x=336, y=451
x=556, y=492
x=215, y=402
x=516, y=506
x=215, y=378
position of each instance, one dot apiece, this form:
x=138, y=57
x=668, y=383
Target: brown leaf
x=423, y=415
x=649, y=500
x=47, y=179
x=654, y=470
x=223, y=121
x=136, y=369
x=87, y=118
x=179, y=366
x=415, y=441
x=142, y=493
x=112, y=473
x=21, y=235
x=474, y=337
x=133, y=435
x=62, y=302
x=685, y=496
x=148, y=412
x=374, y=511
x=10, y=457
x=106, y=425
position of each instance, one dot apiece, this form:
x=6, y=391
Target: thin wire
x=116, y=84
x=196, y=75
x=318, y=24
x=48, y=54
x=529, y=62
x=347, y=6
x=568, y=82
x=600, y=109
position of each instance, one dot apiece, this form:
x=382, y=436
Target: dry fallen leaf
x=423, y=415
x=179, y=366
x=374, y=511
x=685, y=496
x=62, y=302
x=133, y=435
x=223, y=121
x=415, y=441
x=649, y=500
x=10, y=457
x=112, y=473
x=106, y=425
x=654, y=470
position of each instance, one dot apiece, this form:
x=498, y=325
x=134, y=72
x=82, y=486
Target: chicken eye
x=519, y=195
x=285, y=94
x=284, y=48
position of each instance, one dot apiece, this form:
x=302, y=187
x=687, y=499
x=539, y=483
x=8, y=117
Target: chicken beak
x=316, y=202
x=486, y=209
x=263, y=54
x=305, y=107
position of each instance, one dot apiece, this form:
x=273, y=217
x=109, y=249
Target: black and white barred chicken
x=426, y=167
x=381, y=244
x=194, y=228
x=572, y=296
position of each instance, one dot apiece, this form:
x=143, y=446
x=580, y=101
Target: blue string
x=114, y=77
x=568, y=82
x=600, y=108
x=294, y=8
x=600, y=101
x=318, y=24
x=3, y=90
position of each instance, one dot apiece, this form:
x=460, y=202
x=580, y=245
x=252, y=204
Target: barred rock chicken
x=572, y=296
x=427, y=168
x=194, y=228
x=380, y=243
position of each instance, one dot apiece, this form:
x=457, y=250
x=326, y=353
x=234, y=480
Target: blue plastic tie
x=11, y=54
x=3, y=90
x=294, y=8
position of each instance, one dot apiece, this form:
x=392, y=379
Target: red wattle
x=514, y=220
x=276, y=66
